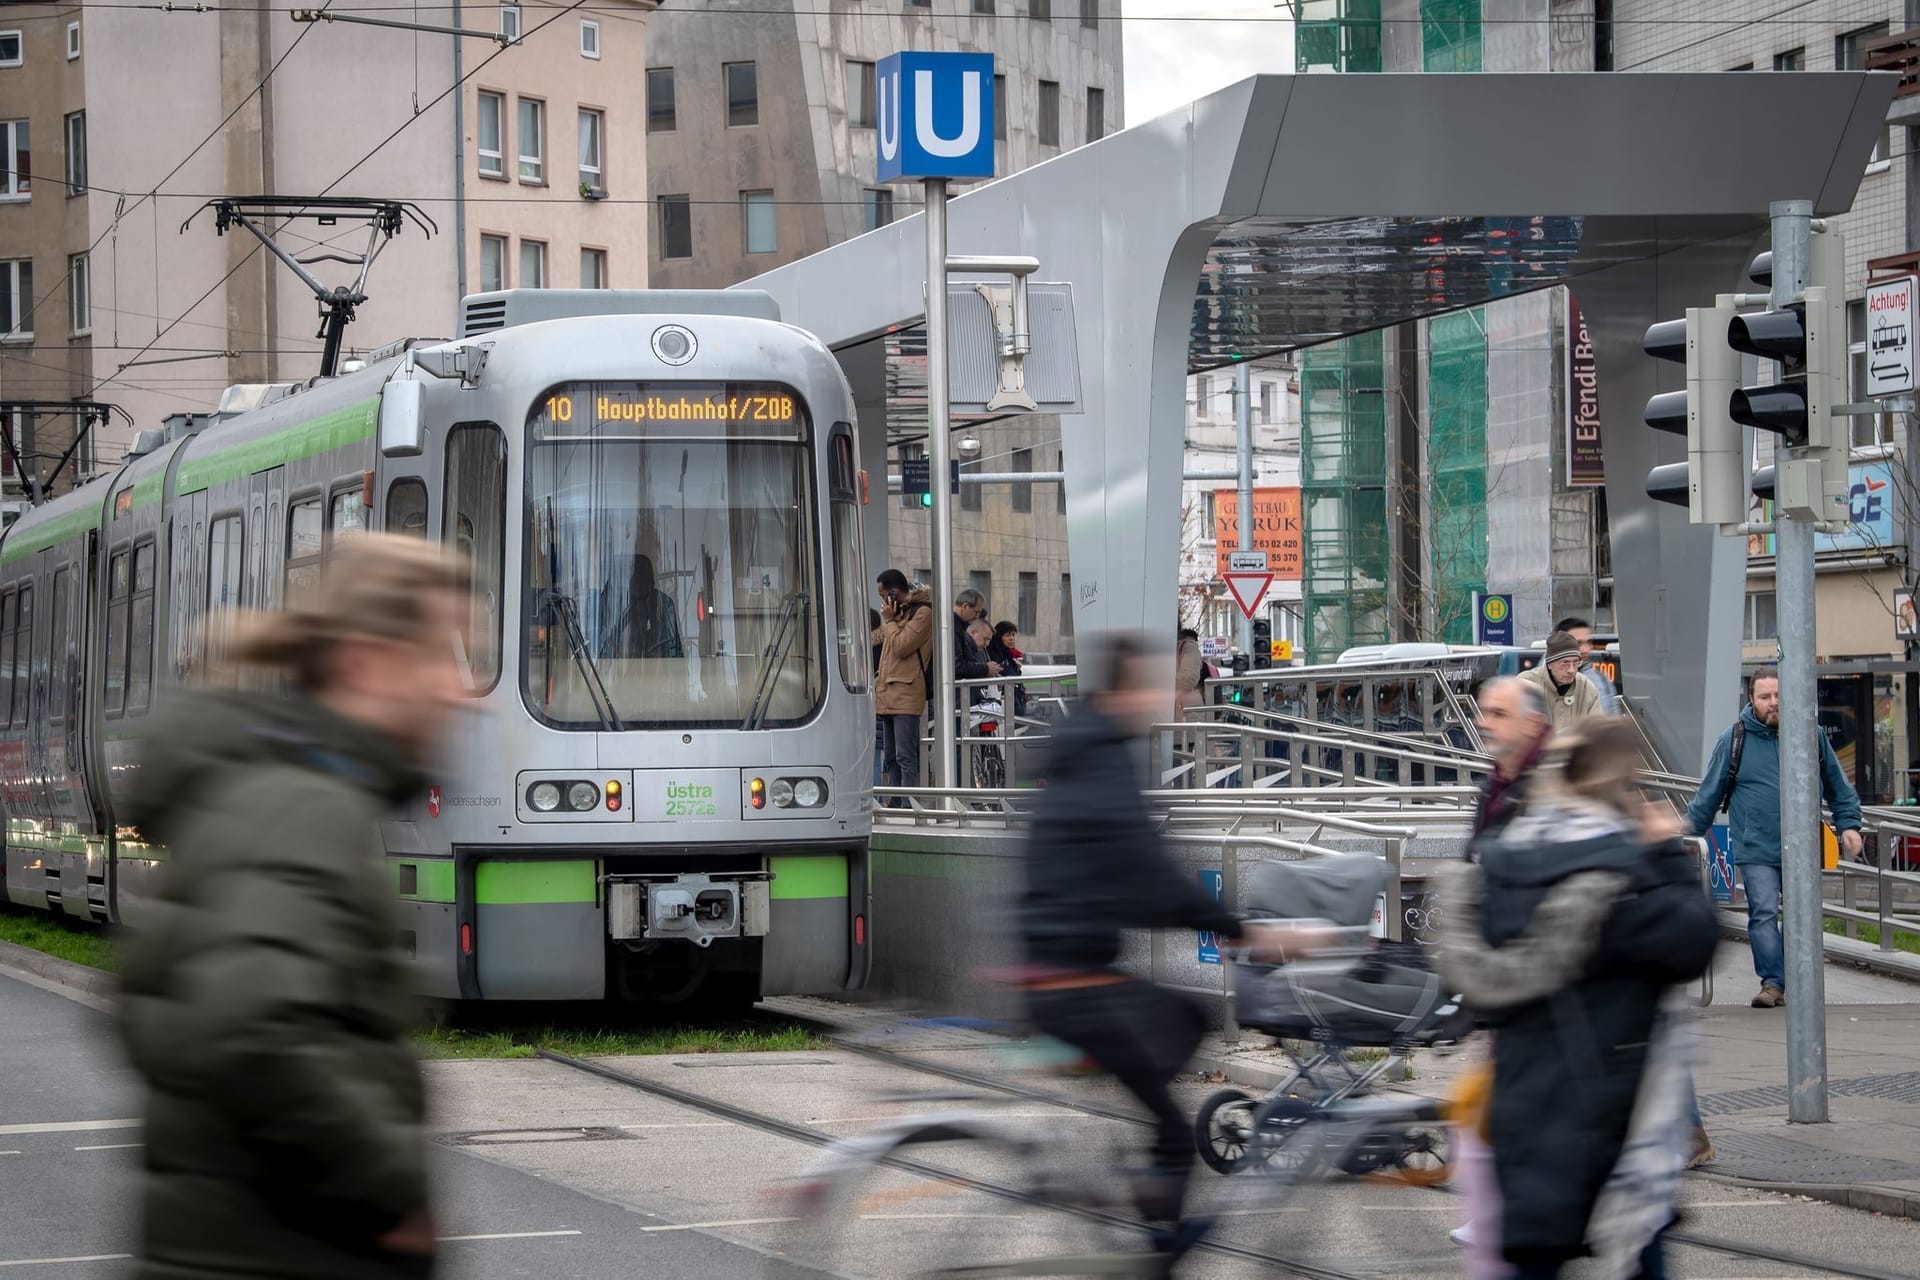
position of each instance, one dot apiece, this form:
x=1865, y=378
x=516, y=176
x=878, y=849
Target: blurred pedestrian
x=265, y=1007
x=902, y=686
x=1743, y=777
x=1571, y=698
x=1189, y=673
x=1582, y=632
x=1566, y=931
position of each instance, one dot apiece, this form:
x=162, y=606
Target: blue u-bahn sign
x=934, y=116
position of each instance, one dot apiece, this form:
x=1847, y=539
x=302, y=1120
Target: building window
x=77, y=154
x=676, y=227
x=16, y=300
x=1049, y=113
x=510, y=21
x=659, y=99
x=593, y=269
x=1090, y=13
x=1267, y=399
x=1026, y=615
x=589, y=39
x=493, y=263
x=16, y=147
x=877, y=206
x=1040, y=10
x=1203, y=397
x=1023, y=489
x=756, y=221
x=983, y=6
x=80, y=295
x=1761, y=624
x=1096, y=114
x=1791, y=60
x=999, y=108
x=533, y=140
x=533, y=264
x=13, y=49
x=591, y=125
x=981, y=580
x=743, y=93
x=1850, y=54
x=493, y=116
x=73, y=41
x=1066, y=607
x=860, y=95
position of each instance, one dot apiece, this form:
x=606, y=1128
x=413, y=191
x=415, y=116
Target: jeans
x=1140, y=1035
x=879, y=750
x=903, y=750
x=1762, y=884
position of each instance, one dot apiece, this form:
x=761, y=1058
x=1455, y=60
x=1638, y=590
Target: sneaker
x=1174, y=1242
x=1770, y=997
x=1702, y=1150
x=1462, y=1235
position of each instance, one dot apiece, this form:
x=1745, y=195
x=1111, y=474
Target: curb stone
x=66, y=973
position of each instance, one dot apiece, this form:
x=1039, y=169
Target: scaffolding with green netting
x=1450, y=35
x=1456, y=471
x=1343, y=483
x=1336, y=35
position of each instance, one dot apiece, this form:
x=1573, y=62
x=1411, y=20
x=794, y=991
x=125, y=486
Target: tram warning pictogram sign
x=1248, y=589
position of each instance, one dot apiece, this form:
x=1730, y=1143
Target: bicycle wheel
x=1223, y=1127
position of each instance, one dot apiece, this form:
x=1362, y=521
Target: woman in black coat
x=1565, y=936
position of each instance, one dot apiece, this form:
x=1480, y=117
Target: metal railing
x=1250, y=748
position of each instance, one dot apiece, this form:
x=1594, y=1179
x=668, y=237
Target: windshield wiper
x=775, y=658
x=563, y=607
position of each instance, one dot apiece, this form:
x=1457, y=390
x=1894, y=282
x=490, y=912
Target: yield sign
x=1249, y=589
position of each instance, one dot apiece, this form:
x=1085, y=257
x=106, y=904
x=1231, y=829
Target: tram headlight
x=782, y=793
x=808, y=793
x=543, y=797
x=582, y=796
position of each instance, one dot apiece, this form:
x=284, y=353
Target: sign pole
x=939, y=448
x=1243, y=444
x=1800, y=905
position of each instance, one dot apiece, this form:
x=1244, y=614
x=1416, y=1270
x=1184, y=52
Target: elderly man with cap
x=1571, y=698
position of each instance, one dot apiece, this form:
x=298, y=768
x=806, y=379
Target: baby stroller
x=1362, y=994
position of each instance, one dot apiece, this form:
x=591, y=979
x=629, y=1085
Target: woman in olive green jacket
x=266, y=1007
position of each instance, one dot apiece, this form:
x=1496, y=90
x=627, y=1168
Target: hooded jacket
x=906, y=650
x=1095, y=863
x=266, y=1006
x=1753, y=808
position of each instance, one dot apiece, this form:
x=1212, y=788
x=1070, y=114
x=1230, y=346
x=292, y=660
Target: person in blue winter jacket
x=1743, y=777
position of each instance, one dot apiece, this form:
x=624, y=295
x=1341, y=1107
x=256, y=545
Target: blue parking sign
x=1210, y=883
x=935, y=116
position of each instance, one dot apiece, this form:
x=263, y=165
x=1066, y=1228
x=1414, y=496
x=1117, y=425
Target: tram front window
x=671, y=565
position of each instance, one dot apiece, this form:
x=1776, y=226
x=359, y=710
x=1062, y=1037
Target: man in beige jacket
x=1571, y=697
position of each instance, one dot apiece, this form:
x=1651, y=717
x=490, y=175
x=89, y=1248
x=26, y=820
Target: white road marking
x=681, y=1124
x=927, y=1217
x=113, y=1146
x=1010, y=1115
x=44, y=1262
x=71, y=1126
x=9, y=1153
x=508, y=1235
x=702, y=1226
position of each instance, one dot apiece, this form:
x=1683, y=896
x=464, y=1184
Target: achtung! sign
x=1276, y=531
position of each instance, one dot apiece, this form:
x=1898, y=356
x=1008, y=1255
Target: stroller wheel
x=1222, y=1128
x=1423, y=1159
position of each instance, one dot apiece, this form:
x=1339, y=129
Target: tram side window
x=140, y=647
x=119, y=582
x=22, y=649
x=6, y=655
x=349, y=511
x=305, y=545
x=62, y=643
x=407, y=507
x=474, y=521
x=226, y=571
x=849, y=567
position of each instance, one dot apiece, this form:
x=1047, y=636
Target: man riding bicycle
x=1095, y=864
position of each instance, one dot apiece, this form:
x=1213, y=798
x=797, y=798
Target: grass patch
x=1903, y=939
x=614, y=1042
x=86, y=944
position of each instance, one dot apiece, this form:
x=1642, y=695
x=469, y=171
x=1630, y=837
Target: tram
x=664, y=790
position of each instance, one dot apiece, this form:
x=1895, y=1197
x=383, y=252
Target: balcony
x=1900, y=53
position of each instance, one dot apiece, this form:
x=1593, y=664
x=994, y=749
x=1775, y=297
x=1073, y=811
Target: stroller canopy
x=1339, y=889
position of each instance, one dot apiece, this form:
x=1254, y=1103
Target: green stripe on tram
x=501, y=884
x=808, y=876
x=432, y=879
x=322, y=435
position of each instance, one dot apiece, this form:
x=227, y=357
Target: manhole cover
x=1770, y=1159
x=510, y=1137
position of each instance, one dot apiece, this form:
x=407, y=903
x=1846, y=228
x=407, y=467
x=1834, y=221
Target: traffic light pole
x=1800, y=861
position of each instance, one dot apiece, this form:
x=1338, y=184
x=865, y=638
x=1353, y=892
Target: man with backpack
x=901, y=684
x=1744, y=777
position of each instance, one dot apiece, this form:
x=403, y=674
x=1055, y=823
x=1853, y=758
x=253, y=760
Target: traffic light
x=1808, y=340
x=1262, y=643
x=1710, y=484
